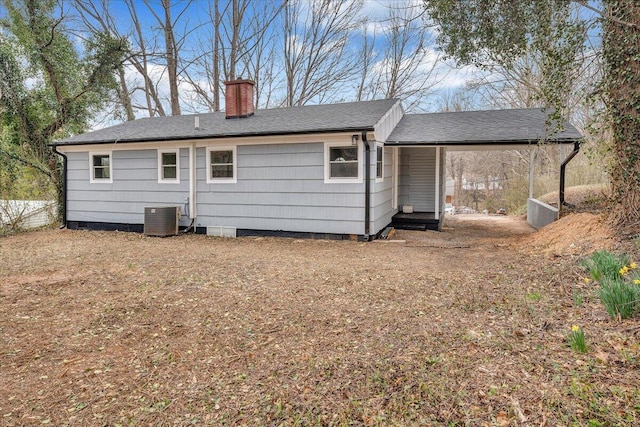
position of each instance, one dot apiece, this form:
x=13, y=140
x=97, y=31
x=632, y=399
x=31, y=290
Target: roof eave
x=218, y=136
x=484, y=143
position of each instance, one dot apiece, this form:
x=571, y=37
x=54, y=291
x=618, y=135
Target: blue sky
x=192, y=18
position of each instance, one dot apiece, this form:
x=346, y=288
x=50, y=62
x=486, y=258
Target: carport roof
x=480, y=128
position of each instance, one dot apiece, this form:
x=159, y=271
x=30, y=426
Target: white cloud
x=458, y=77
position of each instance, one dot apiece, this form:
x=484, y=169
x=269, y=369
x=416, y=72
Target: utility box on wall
x=161, y=221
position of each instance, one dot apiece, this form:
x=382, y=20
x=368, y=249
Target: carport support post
x=532, y=159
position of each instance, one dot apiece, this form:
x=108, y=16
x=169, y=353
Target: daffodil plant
x=577, y=340
x=618, y=281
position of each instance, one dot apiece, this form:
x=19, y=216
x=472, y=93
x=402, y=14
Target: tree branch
x=26, y=162
x=586, y=5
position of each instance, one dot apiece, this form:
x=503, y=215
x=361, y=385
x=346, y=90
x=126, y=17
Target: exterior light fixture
x=354, y=139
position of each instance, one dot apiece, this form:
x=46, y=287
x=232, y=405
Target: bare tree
x=316, y=36
x=216, y=56
x=172, y=47
x=455, y=168
x=240, y=42
x=140, y=59
x=367, y=59
x=171, y=58
x=232, y=32
x=261, y=60
x=203, y=70
x=407, y=67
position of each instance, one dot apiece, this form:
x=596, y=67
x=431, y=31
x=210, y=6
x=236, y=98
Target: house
x=339, y=170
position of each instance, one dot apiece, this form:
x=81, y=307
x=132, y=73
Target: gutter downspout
x=192, y=187
x=64, y=184
x=192, y=181
x=576, y=149
x=367, y=186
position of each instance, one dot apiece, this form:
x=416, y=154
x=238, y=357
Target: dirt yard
x=463, y=327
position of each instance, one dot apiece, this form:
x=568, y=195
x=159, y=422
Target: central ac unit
x=161, y=221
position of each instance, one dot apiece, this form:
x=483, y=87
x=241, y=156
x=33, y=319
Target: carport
x=421, y=141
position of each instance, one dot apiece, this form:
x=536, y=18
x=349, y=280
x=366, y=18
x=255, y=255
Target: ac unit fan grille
x=161, y=221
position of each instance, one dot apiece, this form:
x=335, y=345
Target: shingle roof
x=518, y=126
x=351, y=116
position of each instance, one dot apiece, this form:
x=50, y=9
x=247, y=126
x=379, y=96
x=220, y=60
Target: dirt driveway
x=465, y=230
x=463, y=327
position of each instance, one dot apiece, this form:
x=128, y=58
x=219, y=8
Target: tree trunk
x=216, y=56
x=172, y=58
x=235, y=36
x=141, y=63
x=123, y=94
x=621, y=50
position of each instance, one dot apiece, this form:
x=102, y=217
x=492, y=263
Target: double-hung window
x=100, y=167
x=342, y=163
x=169, y=166
x=221, y=165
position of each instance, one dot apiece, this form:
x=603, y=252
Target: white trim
x=381, y=146
x=437, y=210
x=192, y=181
x=327, y=164
x=93, y=180
x=383, y=128
x=394, y=203
x=161, y=179
x=484, y=147
x=278, y=139
x=234, y=151
x=209, y=142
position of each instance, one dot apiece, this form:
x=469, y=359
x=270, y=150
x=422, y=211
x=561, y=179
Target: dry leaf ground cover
x=463, y=327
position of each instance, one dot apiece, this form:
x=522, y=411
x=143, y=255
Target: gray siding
x=381, y=197
x=417, y=178
x=135, y=185
x=403, y=178
x=280, y=187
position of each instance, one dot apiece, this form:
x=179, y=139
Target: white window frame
x=92, y=178
x=381, y=159
x=232, y=180
x=161, y=178
x=328, y=179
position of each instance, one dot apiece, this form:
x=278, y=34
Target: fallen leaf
x=602, y=357
x=502, y=419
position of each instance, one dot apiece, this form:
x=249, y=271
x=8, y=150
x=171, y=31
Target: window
x=169, y=166
x=342, y=163
x=379, y=163
x=100, y=167
x=221, y=165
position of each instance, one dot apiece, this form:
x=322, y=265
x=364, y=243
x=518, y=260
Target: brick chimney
x=239, y=98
